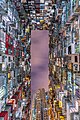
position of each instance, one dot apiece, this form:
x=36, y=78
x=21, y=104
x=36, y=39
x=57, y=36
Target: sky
x=39, y=60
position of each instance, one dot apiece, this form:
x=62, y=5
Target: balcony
x=60, y=10
x=2, y=27
x=77, y=7
x=78, y=93
x=20, y=8
x=73, y=16
x=3, y=7
x=77, y=81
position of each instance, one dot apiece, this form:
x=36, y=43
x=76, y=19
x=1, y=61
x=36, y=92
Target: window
x=76, y=59
x=23, y=1
x=14, y=74
x=3, y=23
x=0, y=18
x=9, y=59
x=3, y=58
x=69, y=50
x=79, y=58
x=9, y=28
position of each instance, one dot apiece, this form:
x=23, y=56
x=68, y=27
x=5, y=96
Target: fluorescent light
x=41, y=1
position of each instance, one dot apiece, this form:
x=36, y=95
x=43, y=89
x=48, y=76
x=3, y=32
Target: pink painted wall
x=39, y=60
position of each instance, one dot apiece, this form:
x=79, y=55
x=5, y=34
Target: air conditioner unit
x=19, y=37
x=75, y=67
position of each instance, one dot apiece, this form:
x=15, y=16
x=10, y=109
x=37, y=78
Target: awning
x=12, y=102
x=15, y=97
x=4, y=114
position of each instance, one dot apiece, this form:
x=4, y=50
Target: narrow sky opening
x=39, y=60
